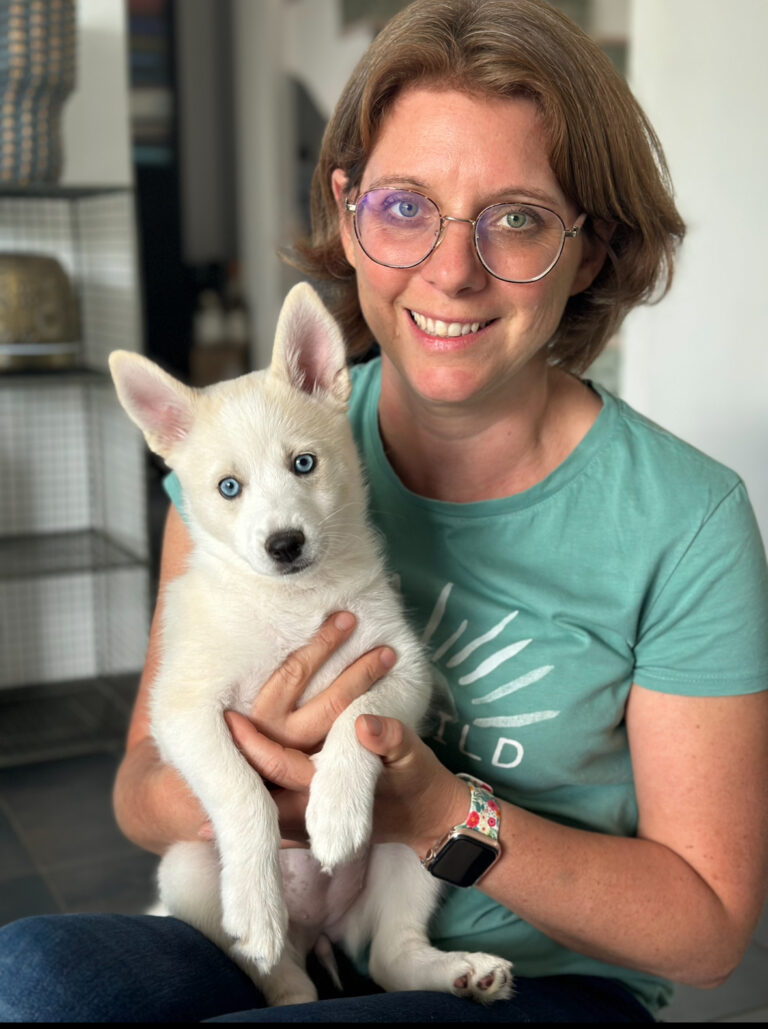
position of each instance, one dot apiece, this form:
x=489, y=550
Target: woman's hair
x=603, y=151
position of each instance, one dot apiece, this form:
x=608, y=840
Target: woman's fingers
x=288, y=772
x=282, y=690
x=283, y=766
x=312, y=721
x=274, y=710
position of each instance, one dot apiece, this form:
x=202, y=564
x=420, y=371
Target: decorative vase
x=37, y=74
x=39, y=321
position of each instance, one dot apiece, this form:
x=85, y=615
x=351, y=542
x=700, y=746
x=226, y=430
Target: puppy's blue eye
x=304, y=464
x=230, y=488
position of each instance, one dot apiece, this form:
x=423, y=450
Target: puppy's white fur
x=232, y=618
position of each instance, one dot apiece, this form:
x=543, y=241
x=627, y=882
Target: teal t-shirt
x=638, y=560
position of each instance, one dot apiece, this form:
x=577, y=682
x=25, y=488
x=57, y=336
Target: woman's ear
x=594, y=243
x=339, y=183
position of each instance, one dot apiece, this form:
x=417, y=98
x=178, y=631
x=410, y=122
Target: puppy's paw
x=336, y=834
x=333, y=838
x=339, y=812
x=287, y=985
x=484, y=978
x=257, y=928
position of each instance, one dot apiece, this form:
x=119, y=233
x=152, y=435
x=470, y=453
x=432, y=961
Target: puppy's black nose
x=285, y=547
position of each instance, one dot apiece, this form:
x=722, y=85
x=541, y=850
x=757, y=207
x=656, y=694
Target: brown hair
x=604, y=152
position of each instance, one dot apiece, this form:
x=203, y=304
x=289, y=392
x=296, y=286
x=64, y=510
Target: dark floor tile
x=14, y=860
x=121, y=884
x=25, y=895
x=63, y=809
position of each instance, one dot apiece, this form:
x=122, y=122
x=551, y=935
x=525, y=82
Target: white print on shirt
x=508, y=752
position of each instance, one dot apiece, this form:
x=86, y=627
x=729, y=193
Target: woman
x=488, y=205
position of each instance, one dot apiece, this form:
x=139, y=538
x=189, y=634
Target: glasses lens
x=396, y=227
x=519, y=242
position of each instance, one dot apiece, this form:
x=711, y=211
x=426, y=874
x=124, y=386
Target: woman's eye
x=304, y=464
x=230, y=488
x=403, y=207
x=516, y=219
x=407, y=209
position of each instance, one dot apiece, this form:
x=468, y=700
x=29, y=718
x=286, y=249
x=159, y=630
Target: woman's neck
x=495, y=448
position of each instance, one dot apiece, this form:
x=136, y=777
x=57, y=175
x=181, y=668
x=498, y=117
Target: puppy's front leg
x=194, y=738
x=339, y=812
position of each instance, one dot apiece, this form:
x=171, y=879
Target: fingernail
x=388, y=657
x=344, y=621
x=373, y=725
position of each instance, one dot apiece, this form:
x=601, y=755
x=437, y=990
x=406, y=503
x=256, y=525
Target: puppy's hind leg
x=395, y=909
x=190, y=889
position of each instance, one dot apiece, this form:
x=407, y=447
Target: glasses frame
x=352, y=206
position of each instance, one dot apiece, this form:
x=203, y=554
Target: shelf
x=62, y=553
x=56, y=720
x=75, y=376
x=46, y=191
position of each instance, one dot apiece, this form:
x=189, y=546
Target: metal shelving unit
x=74, y=583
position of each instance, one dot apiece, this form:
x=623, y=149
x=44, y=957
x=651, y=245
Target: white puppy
x=275, y=505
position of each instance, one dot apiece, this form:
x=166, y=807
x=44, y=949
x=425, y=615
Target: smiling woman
x=457, y=144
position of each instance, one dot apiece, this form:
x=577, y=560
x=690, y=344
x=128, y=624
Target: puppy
x=275, y=504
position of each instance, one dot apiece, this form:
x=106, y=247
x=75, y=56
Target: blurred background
x=154, y=155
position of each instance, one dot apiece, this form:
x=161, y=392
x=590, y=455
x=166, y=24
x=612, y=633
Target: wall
x=698, y=362
x=319, y=52
x=206, y=151
x=95, y=121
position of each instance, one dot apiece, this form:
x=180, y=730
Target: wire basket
x=37, y=74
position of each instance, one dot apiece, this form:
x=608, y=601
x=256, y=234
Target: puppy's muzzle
x=286, y=549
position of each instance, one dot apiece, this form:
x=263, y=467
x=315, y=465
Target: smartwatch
x=467, y=851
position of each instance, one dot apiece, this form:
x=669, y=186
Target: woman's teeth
x=438, y=328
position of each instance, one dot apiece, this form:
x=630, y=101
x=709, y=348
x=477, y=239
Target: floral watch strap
x=484, y=814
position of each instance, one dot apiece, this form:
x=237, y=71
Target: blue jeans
x=142, y=968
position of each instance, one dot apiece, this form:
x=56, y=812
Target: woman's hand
x=274, y=711
x=416, y=796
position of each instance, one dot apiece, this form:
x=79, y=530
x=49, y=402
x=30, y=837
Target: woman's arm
x=683, y=898
x=152, y=803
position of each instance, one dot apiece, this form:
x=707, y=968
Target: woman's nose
x=454, y=266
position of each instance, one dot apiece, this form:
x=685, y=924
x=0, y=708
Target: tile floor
x=61, y=851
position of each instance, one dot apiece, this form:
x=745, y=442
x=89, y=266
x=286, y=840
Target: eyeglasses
x=399, y=228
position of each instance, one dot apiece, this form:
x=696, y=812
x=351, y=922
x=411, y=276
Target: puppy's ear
x=309, y=350
x=161, y=407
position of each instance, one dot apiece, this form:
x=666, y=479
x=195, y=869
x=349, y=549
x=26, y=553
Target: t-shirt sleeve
x=172, y=487
x=706, y=631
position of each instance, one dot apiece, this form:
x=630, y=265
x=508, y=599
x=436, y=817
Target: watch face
x=463, y=860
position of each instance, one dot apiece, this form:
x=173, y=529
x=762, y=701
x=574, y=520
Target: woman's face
x=464, y=152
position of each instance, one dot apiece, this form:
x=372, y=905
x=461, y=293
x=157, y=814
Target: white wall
x=318, y=51
x=698, y=362
x=95, y=133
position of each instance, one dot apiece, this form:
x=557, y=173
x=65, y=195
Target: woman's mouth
x=446, y=330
